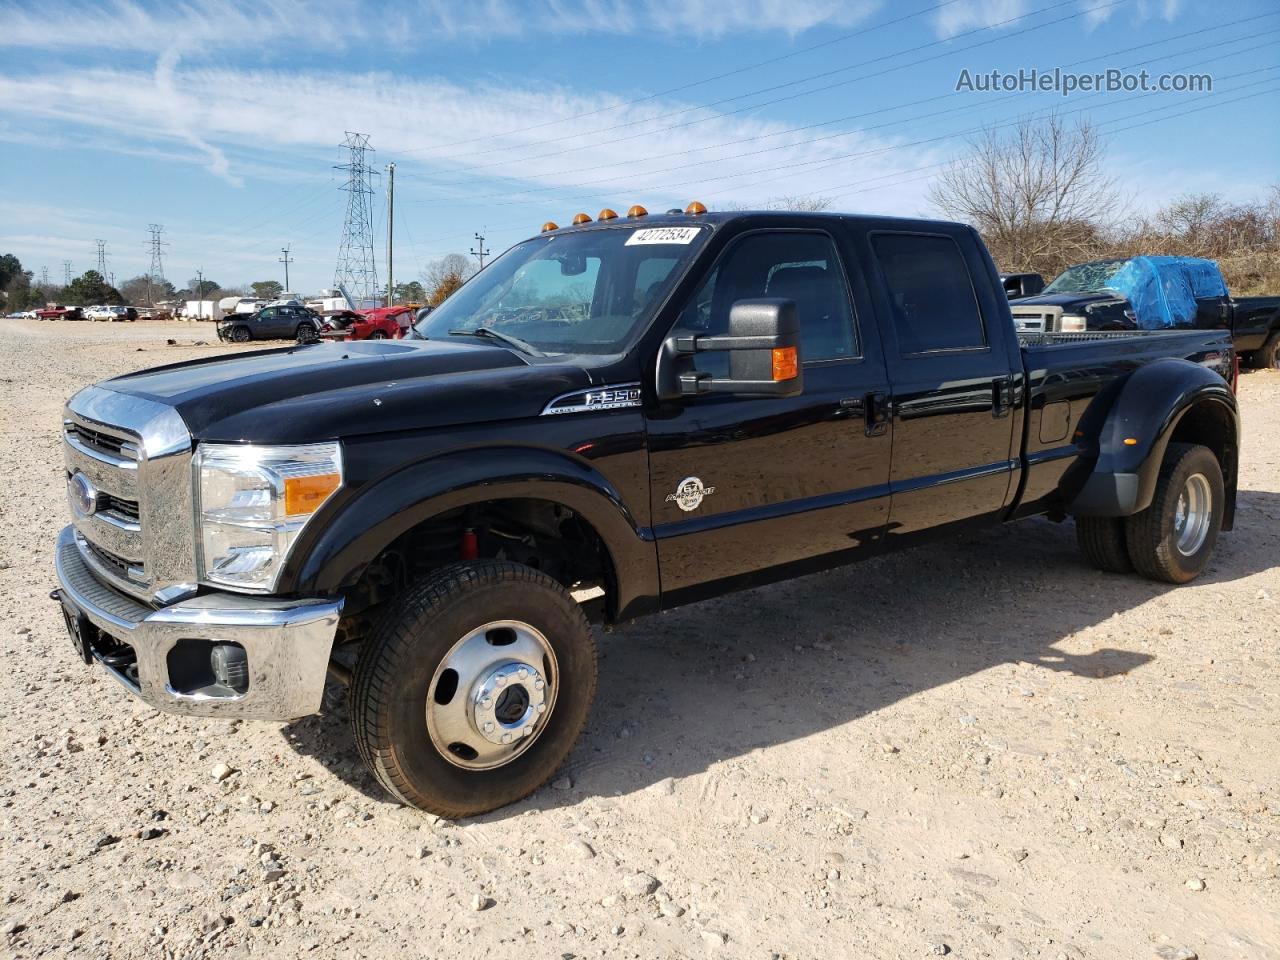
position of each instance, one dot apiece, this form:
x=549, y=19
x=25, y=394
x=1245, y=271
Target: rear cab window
x=931, y=295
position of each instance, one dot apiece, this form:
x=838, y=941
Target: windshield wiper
x=523, y=346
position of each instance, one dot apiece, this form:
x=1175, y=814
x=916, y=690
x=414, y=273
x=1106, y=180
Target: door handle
x=877, y=412
x=1001, y=396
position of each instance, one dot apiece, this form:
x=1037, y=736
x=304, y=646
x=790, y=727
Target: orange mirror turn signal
x=786, y=363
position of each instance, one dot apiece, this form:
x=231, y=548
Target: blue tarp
x=1162, y=290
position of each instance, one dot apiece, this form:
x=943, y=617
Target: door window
x=803, y=267
x=930, y=293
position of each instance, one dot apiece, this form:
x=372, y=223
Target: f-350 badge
x=689, y=494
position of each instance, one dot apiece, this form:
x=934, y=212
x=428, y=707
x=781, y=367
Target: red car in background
x=60, y=313
x=376, y=323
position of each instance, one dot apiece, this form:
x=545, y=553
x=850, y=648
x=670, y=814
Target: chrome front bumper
x=287, y=642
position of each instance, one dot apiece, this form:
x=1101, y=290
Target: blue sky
x=222, y=120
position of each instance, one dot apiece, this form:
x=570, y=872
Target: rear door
x=948, y=348
x=747, y=487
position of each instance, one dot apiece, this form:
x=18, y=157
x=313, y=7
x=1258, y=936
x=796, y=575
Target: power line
x=598, y=133
x=506, y=194
x=697, y=83
x=356, y=269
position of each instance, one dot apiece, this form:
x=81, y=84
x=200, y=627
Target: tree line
x=1040, y=195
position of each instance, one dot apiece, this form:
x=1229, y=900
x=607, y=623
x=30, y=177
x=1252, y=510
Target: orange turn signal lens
x=786, y=363
x=580, y=219
x=637, y=211
x=695, y=208
x=1130, y=441
x=607, y=214
x=303, y=495
x=549, y=226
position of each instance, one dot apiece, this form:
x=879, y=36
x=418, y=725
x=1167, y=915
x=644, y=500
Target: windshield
x=1087, y=277
x=581, y=292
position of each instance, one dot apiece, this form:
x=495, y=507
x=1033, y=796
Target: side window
x=930, y=292
x=803, y=267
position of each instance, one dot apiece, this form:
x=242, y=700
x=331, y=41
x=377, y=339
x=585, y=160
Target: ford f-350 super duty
x=610, y=419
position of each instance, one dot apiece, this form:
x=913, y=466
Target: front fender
x=392, y=505
x=1133, y=434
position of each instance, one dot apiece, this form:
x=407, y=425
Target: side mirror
x=764, y=358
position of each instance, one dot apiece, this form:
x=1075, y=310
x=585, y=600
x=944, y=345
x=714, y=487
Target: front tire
x=306, y=333
x=240, y=335
x=1267, y=356
x=445, y=695
x=1173, y=539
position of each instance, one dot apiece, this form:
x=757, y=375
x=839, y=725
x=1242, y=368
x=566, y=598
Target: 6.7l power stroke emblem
x=689, y=494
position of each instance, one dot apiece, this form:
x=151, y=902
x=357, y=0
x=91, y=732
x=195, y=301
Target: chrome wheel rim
x=492, y=695
x=1192, y=515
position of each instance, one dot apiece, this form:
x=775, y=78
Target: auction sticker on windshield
x=663, y=235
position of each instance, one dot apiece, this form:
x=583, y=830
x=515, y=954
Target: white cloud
x=965, y=15
x=973, y=14
x=221, y=27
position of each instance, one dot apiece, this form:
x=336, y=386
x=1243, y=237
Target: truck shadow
x=694, y=687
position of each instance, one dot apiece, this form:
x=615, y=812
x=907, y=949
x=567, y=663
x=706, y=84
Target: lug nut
x=488, y=728
x=538, y=684
x=542, y=708
x=528, y=731
x=485, y=703
x=506, y=738
x=501, y=680
x=523, y=673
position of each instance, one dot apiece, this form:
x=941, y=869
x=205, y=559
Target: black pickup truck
x=610, y=419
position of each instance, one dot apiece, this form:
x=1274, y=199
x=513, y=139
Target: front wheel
x=306, y=333
x=1173, y=539
x=1267, y=356
x=377, y=335
x=240, y=335
x=473, y=688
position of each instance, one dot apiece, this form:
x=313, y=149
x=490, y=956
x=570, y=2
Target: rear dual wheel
x=1174, y=538
x=1267, y=356
x=473, y=688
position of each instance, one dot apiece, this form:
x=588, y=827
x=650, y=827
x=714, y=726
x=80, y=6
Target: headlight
x=253, y=503
x=1073, y=323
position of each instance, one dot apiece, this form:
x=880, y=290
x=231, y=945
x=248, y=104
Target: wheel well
x=1210, y=424
x=542, y=534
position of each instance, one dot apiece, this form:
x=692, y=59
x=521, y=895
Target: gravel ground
x=978, y=749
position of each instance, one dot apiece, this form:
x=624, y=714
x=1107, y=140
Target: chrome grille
x=138, y=537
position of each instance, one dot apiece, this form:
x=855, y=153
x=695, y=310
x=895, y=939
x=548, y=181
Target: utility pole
x=478, y=251
x=200, y=283
x=391, y=228
x=286, y=260
x=102, y=257
x=113, y=280
x=66, y=268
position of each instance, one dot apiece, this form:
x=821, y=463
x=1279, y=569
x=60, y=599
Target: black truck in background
x=609, y=420
x=1080, y=299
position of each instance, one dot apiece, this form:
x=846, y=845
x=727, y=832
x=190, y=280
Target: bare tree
x=806, y=202
x=1038, y=193
x=442, y=277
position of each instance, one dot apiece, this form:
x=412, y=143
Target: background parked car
x=60, y=313
x=1021, y=284
x=378, y=323
x=288, y=322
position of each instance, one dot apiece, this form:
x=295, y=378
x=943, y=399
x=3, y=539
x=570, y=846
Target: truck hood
x=331, y=391
x=1067, y=301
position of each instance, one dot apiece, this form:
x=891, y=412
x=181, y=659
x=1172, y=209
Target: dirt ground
x=977, y=749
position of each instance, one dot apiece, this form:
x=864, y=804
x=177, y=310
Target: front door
x=747, y=489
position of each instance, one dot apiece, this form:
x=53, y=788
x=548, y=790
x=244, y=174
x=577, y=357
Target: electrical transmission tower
x=357, y=269
x=156, y=273
x=102, y=257
x=66, y=269
x=44, y=276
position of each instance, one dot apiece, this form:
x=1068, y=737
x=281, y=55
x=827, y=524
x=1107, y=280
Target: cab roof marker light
x=694, y=208
x=637, y=211
x=606, y=214
x=580, y=219
x=548, y=226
